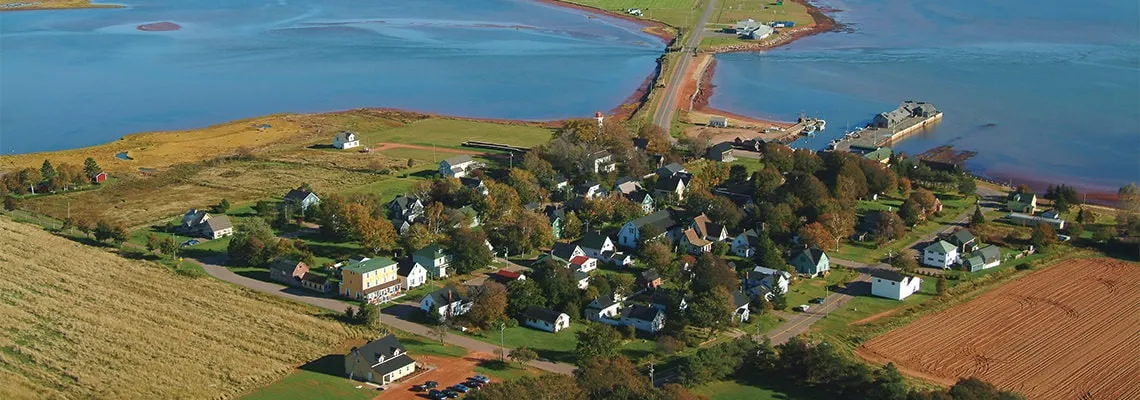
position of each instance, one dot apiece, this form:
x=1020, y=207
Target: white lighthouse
x=598, y=116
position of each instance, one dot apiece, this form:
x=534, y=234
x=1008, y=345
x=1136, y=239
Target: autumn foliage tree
x=816, y=235
x=489, y=304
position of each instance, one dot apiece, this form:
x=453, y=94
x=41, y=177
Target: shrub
x=1024, y=266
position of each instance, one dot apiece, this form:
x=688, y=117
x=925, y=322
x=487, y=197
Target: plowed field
x=1070, y=331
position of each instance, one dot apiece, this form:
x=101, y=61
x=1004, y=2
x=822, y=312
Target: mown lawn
x=870, y=252
x=679, y=13
x=760, y=10
x=732, y=390
x=803, y=291
x=451, y=133
x=304, y=384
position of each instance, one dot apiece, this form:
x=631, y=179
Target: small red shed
x=99, y=178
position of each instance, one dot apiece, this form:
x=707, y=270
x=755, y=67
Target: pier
x=891, y=127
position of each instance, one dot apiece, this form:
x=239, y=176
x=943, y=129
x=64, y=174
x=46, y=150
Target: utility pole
x=651, y=382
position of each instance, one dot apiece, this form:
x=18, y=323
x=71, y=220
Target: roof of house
x=603, y=302
x=344, y=135
x=694, y=239
x=751, y=237
x=471, y=182
x=593, y=240
x=739, y=300
x=627, y=185
x=669, y=184
x=661, y=219
x=469, y=211
x=585, y=187
x=961, y=237
x=706, y=226
x=432, y=251
x=387, y=347
x=640, y=143
x=404, y=201
x=989, y=253
x=369, y=265
x=579, y=260
x=661, y=296
x=641, y=312
x=649, y=275
x=639, y=196
x=285, y=264
x=507, y=274
x=555, y=212
x=942, y=245
x=541, y=314
x=439, y=297
x=314, y=278
x=382, y=286
x=813, y=254
x=580, y=276
x=392, y=365
x=888, y=275
x=404, y=268
x=563, y=250
x=670, y=169
x=219, y=223
x=297, y=194
x=879, y=154
x=720, y=148
x=768, y=271
x=460, y=159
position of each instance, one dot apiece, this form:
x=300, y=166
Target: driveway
x=395, y=316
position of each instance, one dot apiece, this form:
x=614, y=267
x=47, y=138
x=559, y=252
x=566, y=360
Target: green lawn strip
x=386, y=188
x=732, y=390
x=673, y=12
x=870, y=252
x=805, y=290
x=305, y=384
x=557, y=347
x=504, y=371
x=453, y=132
x=751, y=164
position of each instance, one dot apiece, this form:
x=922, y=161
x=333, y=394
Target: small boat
x=809, y=130
x=822, y=124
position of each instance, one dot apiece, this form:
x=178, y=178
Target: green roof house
x=435, y=259
x=811, y=262
x=1022, y=202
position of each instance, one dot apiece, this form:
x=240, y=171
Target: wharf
x=876, y=137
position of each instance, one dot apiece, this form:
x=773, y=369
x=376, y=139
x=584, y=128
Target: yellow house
x=373, y=280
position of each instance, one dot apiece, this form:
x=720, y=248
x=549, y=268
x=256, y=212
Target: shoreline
x=657, y=29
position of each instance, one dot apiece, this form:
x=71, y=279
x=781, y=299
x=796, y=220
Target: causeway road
x=396, y=316
x=663, y=116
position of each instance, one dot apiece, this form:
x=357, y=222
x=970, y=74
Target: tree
x=597, y=341
x=1076, y=229
x=815, y=235
x=889, y=384
x=11, y=204
x=711, y=272
x=1129, y=197
x=557, y=284
x=116, y=233
x=904, y=186
x=168, y=246
x=490, y=304
x=906, y=261
x=888, y=226
x=439, y=331
x=724, y=212
x=469, y=250
x=1062, y=205
x=222, y=206
x=779, y=300
x=712, y=309
x=153, y=242
x=253, y=244
x=977, y=219
x=90, y=167
x=47, y=172
x=545, y=387
x=417, y=237
x=941, y=286
x=767, y=255
x=613, y=378
x=523, y=355
x=523, y=293
x=966, y=185
x=526, y=185
x=1086, y=217
x=925, y=199
x=572, y=226
x=911, y=212
x=1043, y=235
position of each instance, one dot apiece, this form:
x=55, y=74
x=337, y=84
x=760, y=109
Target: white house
x=345, y=140
x=708, y=230
x=435, y=259
x=660, y=221
x=674, y=185
x=301, y=198
x=745, y=244
x=597, y=245
x=602, y=161
x=893, y=285
x=767, y=277
x=412, y=274
x=380, y=361
x=201, y=223
x=643, y=318
x=546, y=320
x=740, y=310
x=583, y=264
x=605, y=308
x=445, y=302
x=589, y=190
x=940, y=254
x=458, y=166
x=583, y=280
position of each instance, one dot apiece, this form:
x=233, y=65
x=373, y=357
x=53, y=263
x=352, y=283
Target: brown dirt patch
x=1066, y=332
x=873, y=318
x=448, y=371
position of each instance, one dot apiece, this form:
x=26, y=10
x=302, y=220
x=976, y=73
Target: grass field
x=871, y=252
x=804, y=290
x=731, y=11
x=452, y=133
x=100, y=326
x=679, y=13
x=732, y=390
x=305, y=384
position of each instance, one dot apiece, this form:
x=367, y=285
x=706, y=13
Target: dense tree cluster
x=50, y=178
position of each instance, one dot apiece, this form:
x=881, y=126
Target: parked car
x=1064, y=238
x=190, y=242
x=801, y=308
x=431, y=384
x=459, y=387
x=474, y=384
x=817, y=300
x=451, y=394
x=436, y=395
x=482, y=378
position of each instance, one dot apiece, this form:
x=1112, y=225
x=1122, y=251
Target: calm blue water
x=81, y=77
x=1060, y=79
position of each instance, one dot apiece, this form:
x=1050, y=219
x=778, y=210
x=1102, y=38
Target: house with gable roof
x=300, y=198
x=458, y=167
x=811, y=262
x=345, y=140
x=940, y=254
x=381, y=361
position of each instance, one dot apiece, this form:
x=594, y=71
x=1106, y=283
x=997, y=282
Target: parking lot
x=448, y=372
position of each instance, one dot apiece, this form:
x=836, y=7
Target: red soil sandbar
x=164, y=26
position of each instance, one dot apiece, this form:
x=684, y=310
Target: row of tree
x=49, y=177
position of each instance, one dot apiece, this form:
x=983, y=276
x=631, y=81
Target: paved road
x=663, y=116
x=398, y=314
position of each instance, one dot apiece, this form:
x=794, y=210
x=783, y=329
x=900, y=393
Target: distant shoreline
x=44, y=5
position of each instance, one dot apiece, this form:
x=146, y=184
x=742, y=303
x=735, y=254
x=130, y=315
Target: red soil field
x=1071, y=331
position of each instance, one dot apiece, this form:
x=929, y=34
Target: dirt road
x=663, y=116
